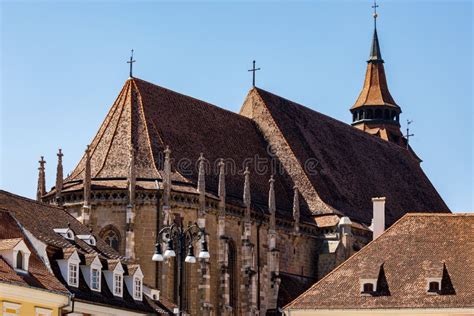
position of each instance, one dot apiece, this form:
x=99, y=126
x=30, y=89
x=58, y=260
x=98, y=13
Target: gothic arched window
x=232, y=269
x=111, y=236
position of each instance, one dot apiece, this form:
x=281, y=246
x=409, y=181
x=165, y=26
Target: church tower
x=375, y=111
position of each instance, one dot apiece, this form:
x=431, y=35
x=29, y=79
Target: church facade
x=284, y=193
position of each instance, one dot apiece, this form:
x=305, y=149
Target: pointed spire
x=375, y=53
x=271, y=203
x=247, y=198
x=87, y=178
x=41, y=190
x=59, y=175
x=296, y=208
x=201, y=185
x=167, y=176
x=221, y=189
x=132, y=178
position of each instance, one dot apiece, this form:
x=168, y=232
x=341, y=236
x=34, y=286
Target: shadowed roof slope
x=412, y=250
x=149, y=118
x=354, y=166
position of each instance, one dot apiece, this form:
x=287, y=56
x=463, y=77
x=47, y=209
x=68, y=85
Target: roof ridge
x=342, y=123
x=190, y=97
x=28, y=200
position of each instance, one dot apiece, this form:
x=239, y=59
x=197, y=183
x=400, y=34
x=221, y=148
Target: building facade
x=283, y=192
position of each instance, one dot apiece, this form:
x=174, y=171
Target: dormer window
x=92, y=271
x=73, y=273
x=433, y=285
x=368, y=286
x=118, y=284
x=137, y=288
x=89, y=239
x=69, y=266
x=65, y=232
x=16, y=253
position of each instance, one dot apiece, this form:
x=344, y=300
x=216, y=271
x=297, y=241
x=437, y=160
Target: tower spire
x=375, y=53
x=375, y=111
x=41, y=190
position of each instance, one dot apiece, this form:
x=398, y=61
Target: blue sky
x=63, y=64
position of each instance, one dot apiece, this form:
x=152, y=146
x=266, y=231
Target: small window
x=72, y=274
x=368, y=288
x=433, y=287
x=95, y=279
x=11, y=309
x=117, y=284
x=19, y=260
x=137, y=291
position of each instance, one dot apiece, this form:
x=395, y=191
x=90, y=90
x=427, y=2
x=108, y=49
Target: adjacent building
x=422, y=265
x=52, y=264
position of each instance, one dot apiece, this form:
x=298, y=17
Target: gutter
x=70, y=302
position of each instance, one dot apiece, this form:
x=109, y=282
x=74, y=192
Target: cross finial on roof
x=375, y=15
x=253, y=70
x=131, y=61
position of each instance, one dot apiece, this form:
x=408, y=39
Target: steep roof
x=149, y=118
x=38, y=275
x=351, y=166
x=417, y=247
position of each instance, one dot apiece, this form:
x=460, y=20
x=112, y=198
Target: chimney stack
x=378, y=221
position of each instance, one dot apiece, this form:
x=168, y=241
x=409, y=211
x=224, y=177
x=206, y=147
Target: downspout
x=69, y=302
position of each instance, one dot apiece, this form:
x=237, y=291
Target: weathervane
x=408, y=135
x=131, y=61
x=375, y=15
x=253, y=70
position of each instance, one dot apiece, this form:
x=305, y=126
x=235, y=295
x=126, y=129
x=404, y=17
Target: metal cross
x=375, y=6
x=408, y=135
x=131, y=61
x=253, y=70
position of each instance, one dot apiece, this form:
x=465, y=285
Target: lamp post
x=184, y=239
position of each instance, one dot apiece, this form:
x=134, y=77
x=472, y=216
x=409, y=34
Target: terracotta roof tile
x=417, y=247
x=9, y=243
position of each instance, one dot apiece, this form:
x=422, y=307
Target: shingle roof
x=354, y=166
x=9, y=243
x=41, y=220
x=409, y=252
x=38, y=275
x=151, y=117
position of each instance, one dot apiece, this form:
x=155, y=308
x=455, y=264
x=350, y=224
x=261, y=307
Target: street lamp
x=184, y=239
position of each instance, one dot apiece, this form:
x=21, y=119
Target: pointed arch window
x=111, y=236
x=232, y=270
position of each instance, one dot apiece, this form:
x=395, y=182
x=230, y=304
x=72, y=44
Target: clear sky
x=63, y=64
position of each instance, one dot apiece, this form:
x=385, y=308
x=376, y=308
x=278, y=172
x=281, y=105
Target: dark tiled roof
x=38, y=275
x=151, y=117
x=355, y=166
x=41, y=220
x=417, y=247
x=291, y=287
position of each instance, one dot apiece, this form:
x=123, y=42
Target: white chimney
x=378, y=221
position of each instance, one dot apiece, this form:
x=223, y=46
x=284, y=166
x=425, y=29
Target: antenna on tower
x=408, y=135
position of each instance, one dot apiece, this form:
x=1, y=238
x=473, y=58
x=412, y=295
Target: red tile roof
x=354, y=166
x=410, y=251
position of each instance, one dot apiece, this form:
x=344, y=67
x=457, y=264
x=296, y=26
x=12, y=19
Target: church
x=283, y=192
